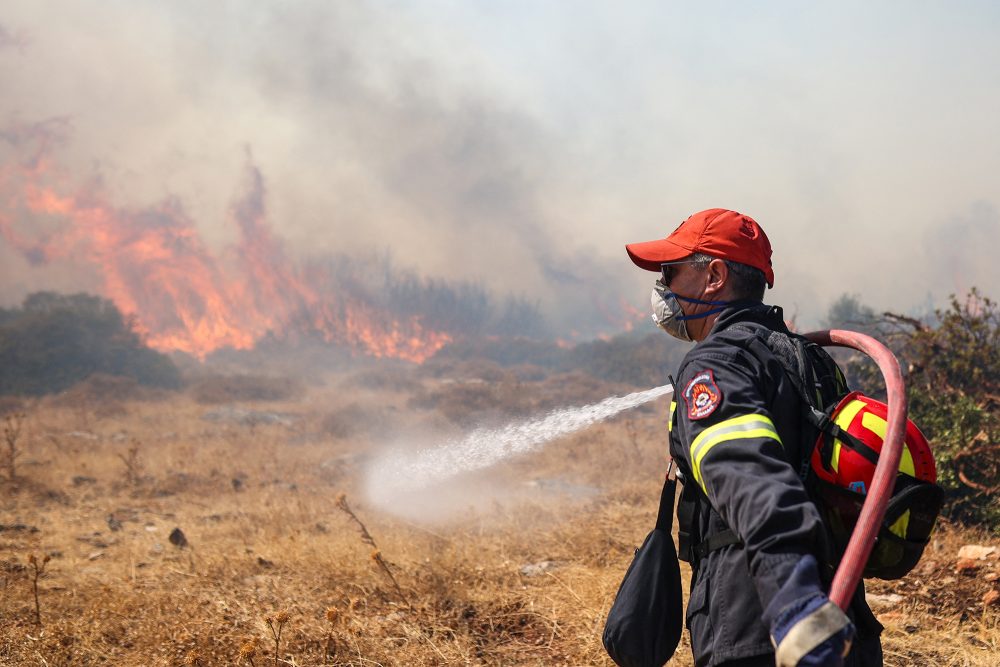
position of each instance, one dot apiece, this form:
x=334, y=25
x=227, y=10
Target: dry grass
x=268, y=549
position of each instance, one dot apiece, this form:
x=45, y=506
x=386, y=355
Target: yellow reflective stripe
x=878, y=426
x=902, y=523
x=843, y=420
x=737, y=428
x=875, y=424
x=835, y=457
x=847, y=415
x=670, y=417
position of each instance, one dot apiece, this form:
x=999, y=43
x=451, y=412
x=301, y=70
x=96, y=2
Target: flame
x=156, y=267
x=632, y=315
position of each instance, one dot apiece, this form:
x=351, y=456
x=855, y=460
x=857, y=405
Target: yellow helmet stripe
x=843, y=420
x=900, y=526
x=878, y=426
x=848, y=413
x=744, y=427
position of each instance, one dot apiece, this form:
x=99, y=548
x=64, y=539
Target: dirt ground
x=516, y=566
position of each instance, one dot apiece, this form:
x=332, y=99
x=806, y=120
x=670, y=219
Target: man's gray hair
x=747, y=281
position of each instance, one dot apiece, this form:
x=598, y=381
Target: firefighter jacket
x=736, y=428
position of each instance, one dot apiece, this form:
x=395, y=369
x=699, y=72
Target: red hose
x=852, y=565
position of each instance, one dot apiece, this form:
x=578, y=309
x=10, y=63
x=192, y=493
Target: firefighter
x=758, y=550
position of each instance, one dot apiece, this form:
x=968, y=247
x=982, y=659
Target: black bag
x=644, y=624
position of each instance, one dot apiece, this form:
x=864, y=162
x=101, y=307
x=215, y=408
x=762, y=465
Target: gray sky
x=523, y=143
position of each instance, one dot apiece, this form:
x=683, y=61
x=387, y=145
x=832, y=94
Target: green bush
x=953, y=384
x=53, y=341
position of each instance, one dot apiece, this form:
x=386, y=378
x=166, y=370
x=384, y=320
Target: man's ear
x=718, y=275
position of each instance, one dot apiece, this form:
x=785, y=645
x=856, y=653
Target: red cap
x=717, y=232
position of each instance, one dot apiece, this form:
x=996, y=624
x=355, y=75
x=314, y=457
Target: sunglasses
x=667, y=268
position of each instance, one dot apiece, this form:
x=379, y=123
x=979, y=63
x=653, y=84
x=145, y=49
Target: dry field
x=516, y=566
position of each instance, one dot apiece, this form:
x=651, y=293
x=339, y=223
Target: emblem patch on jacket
x=702, y=395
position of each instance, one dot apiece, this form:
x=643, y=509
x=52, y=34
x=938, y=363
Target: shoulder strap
x=665, y=514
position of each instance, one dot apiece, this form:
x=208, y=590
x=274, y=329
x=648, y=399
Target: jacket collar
x=751, y=311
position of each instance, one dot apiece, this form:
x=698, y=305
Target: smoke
x=521, y=148
x=961, y=253
x=365, y=146
x=9, y=40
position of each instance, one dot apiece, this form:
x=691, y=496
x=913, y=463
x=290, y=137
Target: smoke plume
x=515, y=149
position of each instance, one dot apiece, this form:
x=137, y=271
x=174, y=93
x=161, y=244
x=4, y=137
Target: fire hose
x=859, y=547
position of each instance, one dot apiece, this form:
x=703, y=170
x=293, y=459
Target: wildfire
x=632, y=315
x=156, y=267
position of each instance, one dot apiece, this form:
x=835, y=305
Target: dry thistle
x=38, y=569
x=633, y=437
x=133, y=464
x=249, y=651
x=275, y=623
x=12, y=425
x=332, y=616
x=366, y=537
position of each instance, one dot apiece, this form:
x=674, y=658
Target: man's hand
x=812, y=633
x=807, y=629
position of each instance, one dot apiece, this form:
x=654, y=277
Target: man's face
x=688, y=280
x=692, y=281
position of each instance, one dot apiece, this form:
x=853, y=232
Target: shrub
x=644, y=361
x=638, y=360
x=214, y=389
x=53, y=341
x=953, y=384
x=355, y=419
x=105, y=395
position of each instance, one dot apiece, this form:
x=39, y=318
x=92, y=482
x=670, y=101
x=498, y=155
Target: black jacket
x=736, y=425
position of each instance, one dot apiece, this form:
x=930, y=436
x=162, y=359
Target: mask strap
x=701, y=315
x=722, y=306
x=699, y=301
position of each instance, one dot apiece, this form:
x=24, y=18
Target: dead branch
x=905, y=319
x=989, y=490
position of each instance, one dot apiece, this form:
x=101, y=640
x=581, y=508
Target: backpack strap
x=716, y=542
x=832, y=431
x=687, y=513
x=665, y=513
x=688, y=550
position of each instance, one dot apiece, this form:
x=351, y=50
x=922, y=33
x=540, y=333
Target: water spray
x=398, y=472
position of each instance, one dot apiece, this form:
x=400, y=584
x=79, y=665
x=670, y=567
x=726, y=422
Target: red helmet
x=844, y=467
x=865, y=419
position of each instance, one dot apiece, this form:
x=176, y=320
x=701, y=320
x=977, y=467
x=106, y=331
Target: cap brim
x=650, y=254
